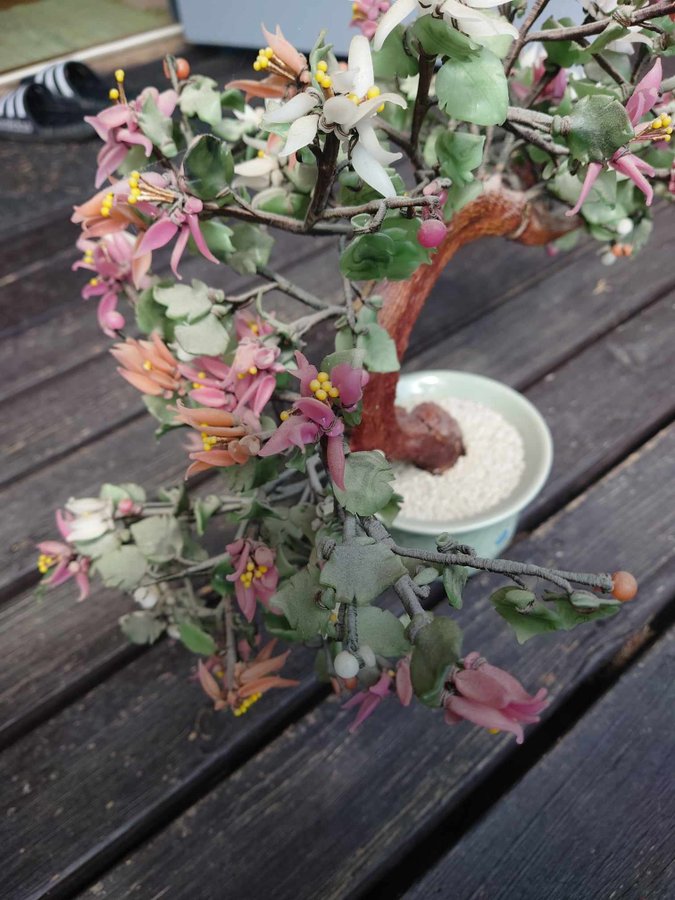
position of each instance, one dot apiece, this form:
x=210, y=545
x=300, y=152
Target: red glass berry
x=431, y=233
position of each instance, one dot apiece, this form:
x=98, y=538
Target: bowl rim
x=524, y=492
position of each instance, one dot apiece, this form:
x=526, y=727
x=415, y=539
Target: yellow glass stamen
x=93, y=282
x=119, y=75
x=114, y=94
x=321, y=395
x=147, y=365
x=333, y=392
x=261, y=154
x=323, y=376
x=322, y=66
x=373, y=92
x=253, y=370
x=314, y=385
x=284, y=414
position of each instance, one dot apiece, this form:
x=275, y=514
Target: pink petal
x=350, y=382
x=135, y=137
x=630, y=165
x=335, y=455
x=195, y=231
x=316, y=411
x=110, y=320
x=592, y=174
x=646, y=93
x=179, y=249
x=296, y=431
x=482, y=715
x=62, y=524
x=404, y=688
x=82, y=581
x=158, y=235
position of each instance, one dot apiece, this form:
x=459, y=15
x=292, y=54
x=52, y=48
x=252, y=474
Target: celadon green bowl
x=492, y=531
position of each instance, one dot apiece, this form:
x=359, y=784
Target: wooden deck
x=118, y=781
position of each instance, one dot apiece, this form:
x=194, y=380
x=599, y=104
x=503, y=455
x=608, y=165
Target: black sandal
x=33, y=113
x=74, y=81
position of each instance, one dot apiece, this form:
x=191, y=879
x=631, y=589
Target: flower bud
x=431, y=233
x=346, y=664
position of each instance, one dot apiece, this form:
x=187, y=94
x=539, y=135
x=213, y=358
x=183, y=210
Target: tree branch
x=664, y=8
x=534, y=14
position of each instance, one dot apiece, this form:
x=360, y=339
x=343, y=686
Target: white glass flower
x=350, y=111
x=92, y=518
x=264, y=170
x=466, y=13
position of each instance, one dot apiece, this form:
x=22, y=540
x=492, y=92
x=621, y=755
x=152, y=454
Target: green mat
x=41, y=29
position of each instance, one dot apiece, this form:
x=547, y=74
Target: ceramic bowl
x=492, y=531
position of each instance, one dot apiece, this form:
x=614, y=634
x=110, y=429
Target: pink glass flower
x=211, y=381
x=287, y=67
x=253, y=373
x=118, y=127
x=251, y=678
x=112, y=262
x=365, y=14
x=60, y=561
x=369, y=700
x=310, y=420
x=255, y=575
x=246, y=323
x=227, y=440
x=149, y=366
x=491, y=698
x=312, y=416
x=641, y=101
x=348, y=380
x=182, y=220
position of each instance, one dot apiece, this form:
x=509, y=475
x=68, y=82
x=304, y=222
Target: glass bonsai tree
x=533, y=135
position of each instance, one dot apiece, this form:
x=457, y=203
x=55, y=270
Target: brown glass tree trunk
x=428, y=436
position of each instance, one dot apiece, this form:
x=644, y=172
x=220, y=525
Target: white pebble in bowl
x=489, y=471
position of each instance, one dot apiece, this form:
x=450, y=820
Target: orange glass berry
x=182, y=68
x=624, y=586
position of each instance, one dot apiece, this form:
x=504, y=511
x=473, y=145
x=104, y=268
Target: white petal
x=256, y=167
x=393, y=17
x=343, y=81
x=302, y=132
x=371, y=171
x=370, y=107
x=476, y=24
x=482, y=4
x=298, y=106
x=340, y=111
x=360, y=64
x=368, y=139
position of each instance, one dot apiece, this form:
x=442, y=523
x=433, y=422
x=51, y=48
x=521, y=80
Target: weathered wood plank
x=606, y=401
x=333, y=770
x=534, y=327
x=404, y=771
x=595, y=818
